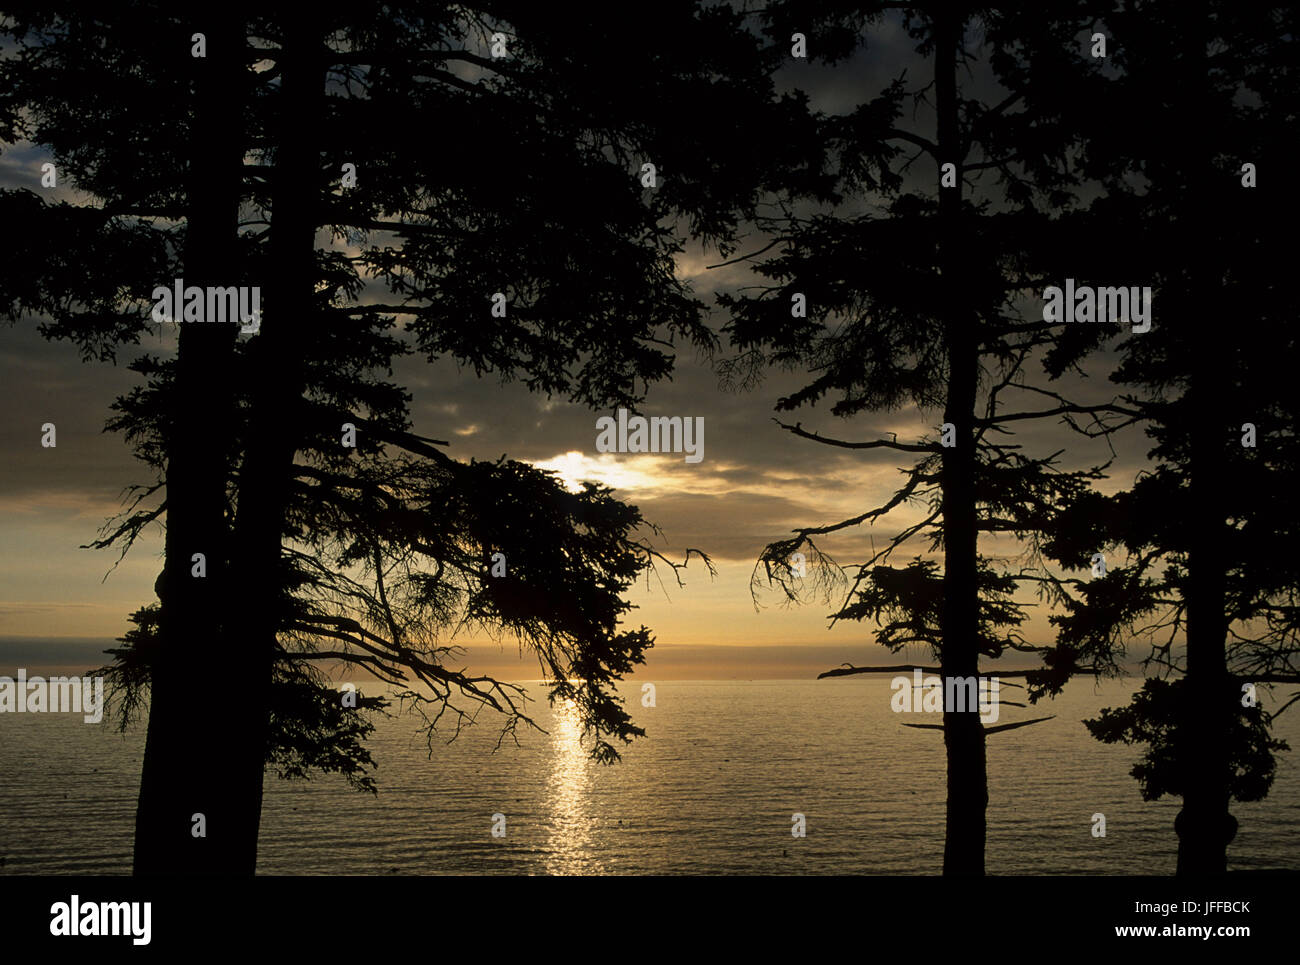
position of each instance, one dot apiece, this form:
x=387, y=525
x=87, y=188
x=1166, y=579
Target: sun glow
x=614, y=471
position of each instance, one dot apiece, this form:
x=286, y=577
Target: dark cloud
x=756, y=483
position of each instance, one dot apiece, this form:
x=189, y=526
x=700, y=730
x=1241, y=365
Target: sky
x=755, y=484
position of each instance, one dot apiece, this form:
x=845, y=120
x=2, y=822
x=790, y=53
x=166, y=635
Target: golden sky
x=755, y=483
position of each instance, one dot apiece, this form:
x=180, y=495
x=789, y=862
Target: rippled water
x=711, y=789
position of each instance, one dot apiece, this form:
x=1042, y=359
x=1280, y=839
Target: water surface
x=710, y=790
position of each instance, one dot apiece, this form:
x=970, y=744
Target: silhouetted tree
x=1191, y=94
x=919, y=305
x=593, y=303
x=156, y=137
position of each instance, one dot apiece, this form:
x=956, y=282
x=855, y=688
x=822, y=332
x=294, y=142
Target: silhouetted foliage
x=382, y=549
x=1153, y=718
x=914, y=302
x=1207, y=577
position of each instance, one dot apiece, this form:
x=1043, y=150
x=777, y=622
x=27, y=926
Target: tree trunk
x=278, y=382
x=963, y=734
x=187, y=763
x=1205, y=825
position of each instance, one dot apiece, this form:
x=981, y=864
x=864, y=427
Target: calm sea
x=710, y=790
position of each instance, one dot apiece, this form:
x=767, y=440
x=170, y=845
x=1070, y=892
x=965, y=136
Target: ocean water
x=711, y=789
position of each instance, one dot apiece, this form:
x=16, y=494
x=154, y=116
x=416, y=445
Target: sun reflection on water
x=570, y=836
